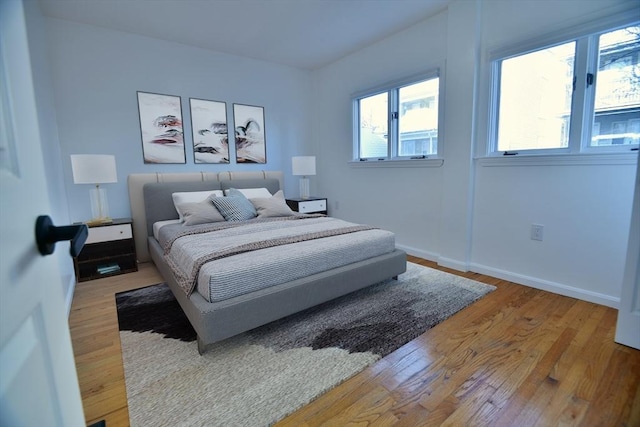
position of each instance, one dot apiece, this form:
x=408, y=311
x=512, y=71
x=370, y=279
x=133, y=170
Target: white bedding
x=246, y=272
x=158, y=225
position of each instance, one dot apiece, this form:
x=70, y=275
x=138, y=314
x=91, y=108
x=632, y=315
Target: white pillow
x=251, y=193
x=274, y=206
x=201, y=213
x=181, y=198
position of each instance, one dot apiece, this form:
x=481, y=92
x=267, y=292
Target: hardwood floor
x=517, y=357
x=93, y=322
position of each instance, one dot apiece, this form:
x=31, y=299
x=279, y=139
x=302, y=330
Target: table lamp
x=95, y=169
x=304, y=166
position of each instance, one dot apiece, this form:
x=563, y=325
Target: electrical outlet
x=336, y=204
x=537, y=232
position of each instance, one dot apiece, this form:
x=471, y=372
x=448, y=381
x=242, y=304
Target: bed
x=231, y=293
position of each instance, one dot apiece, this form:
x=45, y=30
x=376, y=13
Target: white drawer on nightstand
x=308, y=206
x=108, y=233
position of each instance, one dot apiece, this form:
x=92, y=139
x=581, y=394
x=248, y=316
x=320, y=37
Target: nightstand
x=310, y=205
x=109, y=250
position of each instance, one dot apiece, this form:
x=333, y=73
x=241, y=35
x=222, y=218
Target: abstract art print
x=161, y=128
x=249, y=134
x=209, y=129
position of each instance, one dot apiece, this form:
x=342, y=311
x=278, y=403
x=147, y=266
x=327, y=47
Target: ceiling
x=306, y=34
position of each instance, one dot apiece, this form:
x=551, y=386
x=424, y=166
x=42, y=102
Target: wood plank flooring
x=517, y=357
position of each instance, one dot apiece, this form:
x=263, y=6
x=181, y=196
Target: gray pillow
x=273, y=206
x=201, y=213
x=235, y=207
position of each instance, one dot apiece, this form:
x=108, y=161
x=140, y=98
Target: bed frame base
x=204, y=347
x=215, y=322
x=151, y=200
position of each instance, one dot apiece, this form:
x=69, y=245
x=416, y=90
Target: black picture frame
x=209, y=131
x=249, y=134
x=161, y=128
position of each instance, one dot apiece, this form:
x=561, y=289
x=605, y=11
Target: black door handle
x=48, y=234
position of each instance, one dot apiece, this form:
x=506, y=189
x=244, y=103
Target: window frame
x=392, y=89
x=586, y=60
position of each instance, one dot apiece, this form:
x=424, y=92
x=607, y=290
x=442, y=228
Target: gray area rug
x=261, y=376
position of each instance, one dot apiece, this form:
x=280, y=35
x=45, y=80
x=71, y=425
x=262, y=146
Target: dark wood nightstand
x=109, y=250
x=310, y=205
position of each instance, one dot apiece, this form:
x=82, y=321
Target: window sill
x=408, y=163
x=630, y=158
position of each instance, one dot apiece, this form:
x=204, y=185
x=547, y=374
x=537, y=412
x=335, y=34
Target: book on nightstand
x=109, y=268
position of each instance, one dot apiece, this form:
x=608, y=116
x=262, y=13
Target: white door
x=38, y=380
x=628, y=327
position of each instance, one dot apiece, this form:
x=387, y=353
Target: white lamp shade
x=304, y=165
x=93, y=168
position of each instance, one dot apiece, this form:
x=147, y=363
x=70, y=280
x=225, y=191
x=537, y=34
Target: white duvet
x=240, y=274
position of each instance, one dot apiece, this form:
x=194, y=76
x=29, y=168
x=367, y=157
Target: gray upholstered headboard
x=158, y=200
x=155, y=189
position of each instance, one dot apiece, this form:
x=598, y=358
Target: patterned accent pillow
x=201, y=213
x=235, y=207
x=274, y=206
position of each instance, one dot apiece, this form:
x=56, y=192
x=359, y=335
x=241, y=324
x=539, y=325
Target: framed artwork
x=161, y=128
x=249, y=134
x=209, y=130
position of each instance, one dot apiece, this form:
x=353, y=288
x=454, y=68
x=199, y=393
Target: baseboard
x=453, y=264
x=546, y=285
x=430, y=256
x=71, y=287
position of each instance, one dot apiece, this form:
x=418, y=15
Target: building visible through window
x=617, y=98
x=401, y=122
x=537, y=106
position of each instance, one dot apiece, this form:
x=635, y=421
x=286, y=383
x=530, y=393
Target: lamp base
x=304, y=187
x=99, y=206
x=98, y=221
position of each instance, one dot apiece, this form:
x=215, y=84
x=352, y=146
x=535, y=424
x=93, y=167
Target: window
x=582, y=95
x=617, y=96
x=398, y=122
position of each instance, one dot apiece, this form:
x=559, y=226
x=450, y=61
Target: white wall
x=464, y=214
x=96, y=74
x=585, y=208
x=404, y=200
x=585, y=211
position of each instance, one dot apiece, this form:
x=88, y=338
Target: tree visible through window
x=536, y=110
x=401, y=122
x=617, y=99
x=374, y=122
